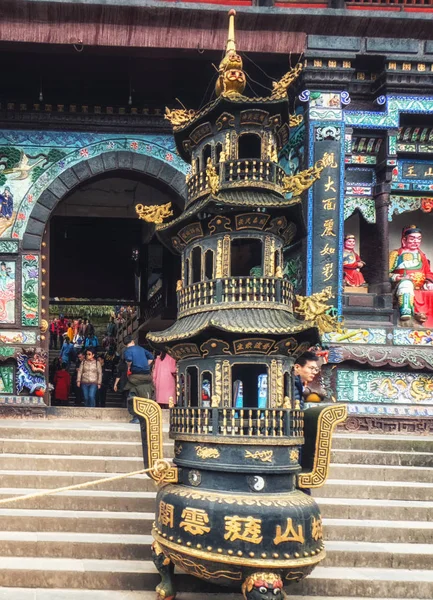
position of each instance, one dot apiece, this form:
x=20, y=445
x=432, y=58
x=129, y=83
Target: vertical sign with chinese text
x=325, y=223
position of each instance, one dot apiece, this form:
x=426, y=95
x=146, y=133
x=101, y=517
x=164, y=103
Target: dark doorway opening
x=246, y=254
x=254, y=384
x=93, y=257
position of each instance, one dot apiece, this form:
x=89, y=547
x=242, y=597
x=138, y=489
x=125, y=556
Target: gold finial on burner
x=231, y=79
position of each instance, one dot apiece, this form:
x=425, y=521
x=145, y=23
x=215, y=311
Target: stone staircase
x=95, y=544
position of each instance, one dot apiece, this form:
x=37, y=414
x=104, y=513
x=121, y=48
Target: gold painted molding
x=329, y=418
x=151, y=412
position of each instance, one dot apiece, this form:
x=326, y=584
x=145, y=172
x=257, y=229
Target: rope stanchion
x=159, y=466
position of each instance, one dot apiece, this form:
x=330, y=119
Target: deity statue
x=410, y=270
x=352, y=264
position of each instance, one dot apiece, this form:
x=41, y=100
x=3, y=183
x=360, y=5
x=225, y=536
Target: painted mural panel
x=31, y=160
x=7, y=291
x=17, y=337
x=384, y=386
x=357, y=336
x=413, y=337
x=6, y=380
x=30, y=290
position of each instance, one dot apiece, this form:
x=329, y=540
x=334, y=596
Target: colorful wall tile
x=18, y=337
x=6, y=380
x=30, y=290
x=357, y=336
x=7, y=291
x=413, y=337
x=394, y=387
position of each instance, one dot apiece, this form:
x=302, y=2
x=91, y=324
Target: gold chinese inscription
x=263, y=455
x=316, y=529
x=327, y=250
x=329, y=203
x=328, y=226
x=166, y=514
x=195, y=521
x=246, y=529
x=290, y=534
x=207, y=452
x=330, y=185
x=328, y=271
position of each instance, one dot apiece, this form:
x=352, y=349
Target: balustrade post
x=215, y=421
x=286, y=423
x=219, y=290
x=279, y=291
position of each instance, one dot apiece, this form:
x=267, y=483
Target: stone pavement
x=94, y=544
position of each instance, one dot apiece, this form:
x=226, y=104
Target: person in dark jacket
x=107, y=374
x=305, y=370
x=121, y=381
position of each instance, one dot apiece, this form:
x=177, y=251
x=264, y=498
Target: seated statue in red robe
x=410, y=270
x=352, y=264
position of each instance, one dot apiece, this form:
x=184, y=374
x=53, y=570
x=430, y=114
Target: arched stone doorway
x=108, y=162
x=22, y=243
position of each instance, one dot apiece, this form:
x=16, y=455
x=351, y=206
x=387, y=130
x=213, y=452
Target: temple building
x=84, y=142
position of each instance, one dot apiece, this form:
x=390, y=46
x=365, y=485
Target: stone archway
x=85, y=170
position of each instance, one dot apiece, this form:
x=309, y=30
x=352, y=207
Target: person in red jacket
x=62, y=384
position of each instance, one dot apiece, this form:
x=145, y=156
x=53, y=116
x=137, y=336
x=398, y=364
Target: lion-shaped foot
x=165, y=590
x=263, y=586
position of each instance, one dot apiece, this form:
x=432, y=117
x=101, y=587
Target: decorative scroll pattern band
x=329, y=418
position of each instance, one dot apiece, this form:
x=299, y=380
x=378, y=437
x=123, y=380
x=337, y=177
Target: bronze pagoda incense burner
x=233, y=510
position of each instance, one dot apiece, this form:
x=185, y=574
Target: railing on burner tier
x=238, y=173
x=251, y=422
x=235, y=289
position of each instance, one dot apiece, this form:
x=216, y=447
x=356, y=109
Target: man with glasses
x=305, y=370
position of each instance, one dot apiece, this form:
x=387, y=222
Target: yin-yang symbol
x=256, y=483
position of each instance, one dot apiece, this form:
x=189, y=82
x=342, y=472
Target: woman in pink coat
x=164, y=379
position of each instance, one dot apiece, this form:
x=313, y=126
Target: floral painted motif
x=30, y=291
x=365, y=206
x=7, y=291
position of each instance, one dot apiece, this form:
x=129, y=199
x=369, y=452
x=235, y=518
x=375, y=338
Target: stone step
x=383, y=457
x=53, y=479
x=353, y=530
x=141, y=575
x=71, y=430
x=83, y=500
x=379, y=473
x=386, y=490
x=367, y=508
x=103, y=546
x=106, y=448
x=399, y=443
x=59, y=462
x=33, y=520
x=96, y=414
